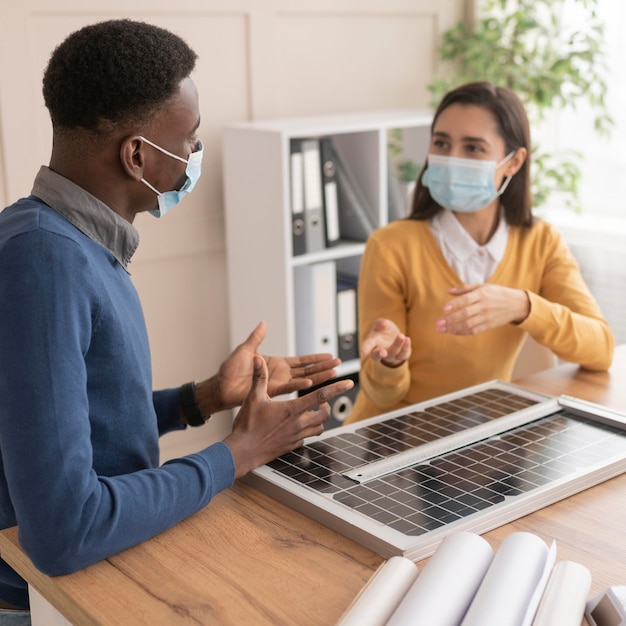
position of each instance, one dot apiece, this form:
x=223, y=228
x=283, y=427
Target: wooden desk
x=247, y=559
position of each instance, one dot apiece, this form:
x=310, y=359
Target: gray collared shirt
x=91, y=216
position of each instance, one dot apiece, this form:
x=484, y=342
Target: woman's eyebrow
x=443, y=135
x=476, y=139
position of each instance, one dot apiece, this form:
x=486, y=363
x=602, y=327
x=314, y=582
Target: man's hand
x=230, y=385
x=265, y=428
x=477, y=308
x=386, y=343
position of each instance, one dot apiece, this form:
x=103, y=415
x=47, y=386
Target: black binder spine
x=330, y=196
x=296, y=173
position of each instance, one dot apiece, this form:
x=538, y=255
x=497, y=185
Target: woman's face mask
x=169, y=199
x=463, y=185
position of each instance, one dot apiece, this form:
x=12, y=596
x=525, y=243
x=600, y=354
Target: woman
x=447, y=296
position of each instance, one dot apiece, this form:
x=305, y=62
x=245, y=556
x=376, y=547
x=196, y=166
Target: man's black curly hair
x=118, y=71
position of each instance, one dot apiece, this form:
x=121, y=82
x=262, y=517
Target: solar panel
x=471, y=460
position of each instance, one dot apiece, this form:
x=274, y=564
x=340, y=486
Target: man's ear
x=131, y=156
x=514, y=164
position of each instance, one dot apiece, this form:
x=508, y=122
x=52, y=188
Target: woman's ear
x=514, y=164
x=131, y=156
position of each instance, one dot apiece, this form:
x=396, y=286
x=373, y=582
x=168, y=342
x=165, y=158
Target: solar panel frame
x=319, y=478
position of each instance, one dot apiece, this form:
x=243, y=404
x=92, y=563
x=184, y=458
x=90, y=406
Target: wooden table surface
x=247, y=559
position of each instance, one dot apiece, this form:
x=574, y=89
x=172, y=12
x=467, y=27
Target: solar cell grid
x=462, y=491
x=384, y=439
x=543, y=453
x=420, y=498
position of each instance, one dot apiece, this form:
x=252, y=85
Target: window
x=602, y=189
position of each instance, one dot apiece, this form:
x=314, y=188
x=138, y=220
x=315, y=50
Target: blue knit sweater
x=79, y=422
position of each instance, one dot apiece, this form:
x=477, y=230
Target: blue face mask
x=463, y=185
x=168, y=199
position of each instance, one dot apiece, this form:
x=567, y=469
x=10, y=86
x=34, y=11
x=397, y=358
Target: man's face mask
x=168, y=199
x=463, y=185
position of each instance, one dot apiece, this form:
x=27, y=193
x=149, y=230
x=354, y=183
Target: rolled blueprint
x=380, y=596
x=510, y=592
x=443, y=591
x=565, y=597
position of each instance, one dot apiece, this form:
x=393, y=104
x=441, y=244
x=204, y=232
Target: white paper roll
x=565, y=597
x=382, y=593
x=510, y=583
x=445, y=588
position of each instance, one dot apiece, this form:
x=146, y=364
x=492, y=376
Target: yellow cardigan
x=405, y=277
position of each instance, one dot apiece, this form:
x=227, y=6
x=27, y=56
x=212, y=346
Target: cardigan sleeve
x=564, y=316
x=382, y=293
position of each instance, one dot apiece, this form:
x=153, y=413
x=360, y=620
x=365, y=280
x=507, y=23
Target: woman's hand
x=386, y=343
x=477, y=308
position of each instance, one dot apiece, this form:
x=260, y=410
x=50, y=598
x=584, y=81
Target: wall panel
x=258, y=59
x=349, y=62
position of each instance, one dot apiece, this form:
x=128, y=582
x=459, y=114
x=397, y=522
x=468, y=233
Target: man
x=79, y=422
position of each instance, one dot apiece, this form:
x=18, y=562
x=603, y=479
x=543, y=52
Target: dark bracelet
x=189, y=405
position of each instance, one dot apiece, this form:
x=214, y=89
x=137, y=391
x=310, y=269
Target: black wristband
x=189, y=405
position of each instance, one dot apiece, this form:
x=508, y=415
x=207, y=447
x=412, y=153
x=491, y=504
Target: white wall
x=258, y=59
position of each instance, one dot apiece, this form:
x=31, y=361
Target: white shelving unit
x=261, y=263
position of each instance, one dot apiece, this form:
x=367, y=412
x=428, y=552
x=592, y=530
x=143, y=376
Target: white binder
x=347, y=325
x=313, y=196
x=316, y=322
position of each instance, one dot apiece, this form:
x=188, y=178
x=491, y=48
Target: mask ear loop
x=147, y=184
x=507, y=180
x=163, y=150
x=504, y=185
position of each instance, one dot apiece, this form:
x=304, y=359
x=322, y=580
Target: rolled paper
x=444, y=590
x=382, y=593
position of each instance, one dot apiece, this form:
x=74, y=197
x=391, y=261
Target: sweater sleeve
x=69, y=515
x=167, y=407
x=382, y=293
x=564, y=315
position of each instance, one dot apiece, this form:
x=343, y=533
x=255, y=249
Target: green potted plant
x=528, y=46
x=405, y=172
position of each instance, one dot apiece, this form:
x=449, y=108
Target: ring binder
x=316, y=321
x=356, y=216
x=296, y=173
x=347, y=326
x=331, y=200
x=340, y=406
x=313, y=197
